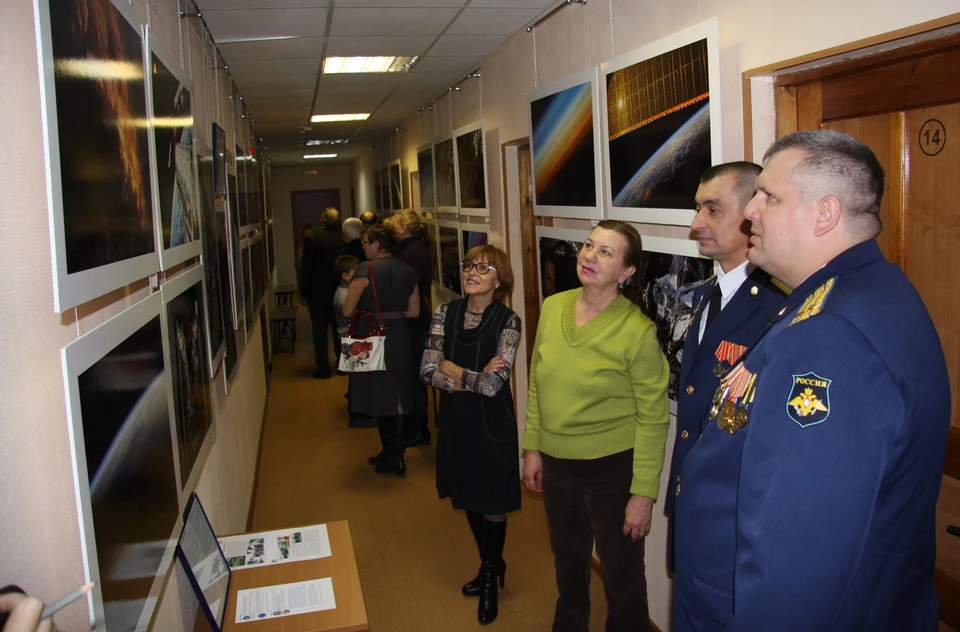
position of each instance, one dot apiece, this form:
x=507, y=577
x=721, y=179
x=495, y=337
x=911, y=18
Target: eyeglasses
x=482, y=268
x=365, y=243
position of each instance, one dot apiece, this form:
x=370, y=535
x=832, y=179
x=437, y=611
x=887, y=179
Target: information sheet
x=276, y=547
x=285, y=600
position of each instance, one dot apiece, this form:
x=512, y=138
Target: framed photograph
x=433, y=243
x=396, y=186
x=233, y=248
x=267, y=190
x=565, y=147
x=172, y=161
x=219, y=160
x=185, y=352
x=671, y=269
x=271, y=253
x=386, y=197
x=471, y=172
x=448, y=234
x=428, y=199
x=559, y=248
x=123, y=463
x=473, y=235
x=445, y=176
x=258, y=266
x=212, y=246
x=204, y=563
x=661, y=115
x=98, y=181
x=248, y=303
x=377, y=193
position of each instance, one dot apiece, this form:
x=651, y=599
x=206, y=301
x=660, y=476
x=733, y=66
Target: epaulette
x=815, y=302
x=780, y=285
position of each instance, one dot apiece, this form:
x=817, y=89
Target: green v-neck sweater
x=599, y=389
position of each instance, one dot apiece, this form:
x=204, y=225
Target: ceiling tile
x=430, y=79
x=468, y=45
x=212, y=5
x=291, y=82
x=242, y=24
x=401, y=3
x=381, y=21
x=446, y=63
x=376, y=45
x=492, y=21
x=243, y=69
x=511, y=4
x=294, y=48
x=327, y=103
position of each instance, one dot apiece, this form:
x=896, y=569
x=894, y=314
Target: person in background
x=319, y=283
x=469, y=356
x=353, y=246
x=368, y=218
x=386, y=395
x=309, y=230
x=413, y=251
x=346, y=265
x=558, y=265
x=597, y=418
x=730, y=313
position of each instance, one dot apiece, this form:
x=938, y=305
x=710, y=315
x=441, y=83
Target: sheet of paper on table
x=276, y=547
x=285, y=600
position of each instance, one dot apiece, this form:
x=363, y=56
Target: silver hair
x=352, y=227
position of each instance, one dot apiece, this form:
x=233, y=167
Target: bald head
x=330, y=218
x=368, y=218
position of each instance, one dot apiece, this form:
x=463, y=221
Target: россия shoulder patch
x=808, y=403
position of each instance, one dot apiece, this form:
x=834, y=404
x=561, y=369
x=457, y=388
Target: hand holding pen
x=20, y=613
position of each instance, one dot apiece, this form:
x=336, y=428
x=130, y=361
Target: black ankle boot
x=383, y=429
x=472, y=587
x=394, y=448
x=494, y=534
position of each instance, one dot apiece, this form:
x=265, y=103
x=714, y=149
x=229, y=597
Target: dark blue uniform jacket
x=737, y=327
x=809, y=502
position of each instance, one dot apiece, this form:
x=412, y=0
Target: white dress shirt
x=729, y=282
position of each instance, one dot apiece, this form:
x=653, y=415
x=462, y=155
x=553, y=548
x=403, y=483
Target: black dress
x=477, y=446
x=390, y=392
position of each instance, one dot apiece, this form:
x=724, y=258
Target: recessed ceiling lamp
x=333, y=65
x=308, y=156
x=336, y=118
x=339, y=141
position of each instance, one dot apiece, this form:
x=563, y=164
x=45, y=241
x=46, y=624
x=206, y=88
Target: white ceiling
x=274, y=49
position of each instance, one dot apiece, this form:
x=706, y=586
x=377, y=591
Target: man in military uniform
x=730, y=311
x=840, y=413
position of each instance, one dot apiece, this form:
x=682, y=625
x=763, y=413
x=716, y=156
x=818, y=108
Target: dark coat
x=816, y=510
x=354, y=248
x=319, y=280
x=413, y=252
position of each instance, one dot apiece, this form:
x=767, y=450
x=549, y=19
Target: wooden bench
x=283, y=321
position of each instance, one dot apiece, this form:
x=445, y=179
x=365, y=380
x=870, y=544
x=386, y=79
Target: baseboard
x=256, y=470
x=595, y=565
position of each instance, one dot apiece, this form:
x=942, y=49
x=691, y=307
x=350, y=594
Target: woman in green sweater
x=597, y=420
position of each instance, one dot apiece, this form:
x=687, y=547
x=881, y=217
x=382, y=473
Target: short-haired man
x=352, y=229
x=843, y=408
x=730, y=313
x=368, y=218
x=318, y=284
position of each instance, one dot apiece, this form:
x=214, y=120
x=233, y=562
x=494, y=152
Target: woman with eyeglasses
x=597, y=417
x=386, y=395
x=469, y=354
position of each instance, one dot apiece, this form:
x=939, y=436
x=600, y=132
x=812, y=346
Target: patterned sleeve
x=433, y=353
x=489, y=384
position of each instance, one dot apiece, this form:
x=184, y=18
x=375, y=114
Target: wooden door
x=908, y=111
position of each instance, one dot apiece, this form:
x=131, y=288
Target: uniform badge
x=808, y=403
x=729, y=352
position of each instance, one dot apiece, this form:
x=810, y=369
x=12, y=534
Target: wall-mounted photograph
x=471, y=172
x=219, y=160
x=233, y=249
x=661, y=106
x=124, y=463
x=211, y=258
x=433, y=243
x=396, y=186
x=97, y=157
x=565, y=145
x=449, y=236
x=428, y=200
x=559, y=248
x=445, y=176
x=473, y=235
x=175, y=194
x=185, y=349
x=248, y=305
x=385, y=196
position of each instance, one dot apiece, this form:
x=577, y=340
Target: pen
x=65, y=601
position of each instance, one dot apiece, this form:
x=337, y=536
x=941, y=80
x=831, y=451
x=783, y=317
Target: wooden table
x=284, y=294
x=284, y=323
x=350, y=614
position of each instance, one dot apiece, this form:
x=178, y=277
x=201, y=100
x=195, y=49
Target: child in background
x=346, y=265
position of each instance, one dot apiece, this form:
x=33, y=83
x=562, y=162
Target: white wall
x=753, y=33
x=285, y=181
x=39, y=525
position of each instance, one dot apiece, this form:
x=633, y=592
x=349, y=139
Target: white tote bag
x=362, y=354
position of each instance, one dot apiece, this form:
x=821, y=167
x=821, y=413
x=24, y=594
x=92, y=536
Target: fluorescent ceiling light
x=307, y=156
x=271, y=38
x=335, y=118
x=339, y=141
x=332, y=65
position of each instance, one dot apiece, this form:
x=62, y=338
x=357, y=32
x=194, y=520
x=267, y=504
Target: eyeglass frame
x=467, y=266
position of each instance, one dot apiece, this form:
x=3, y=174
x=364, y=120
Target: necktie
x=714, y=306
